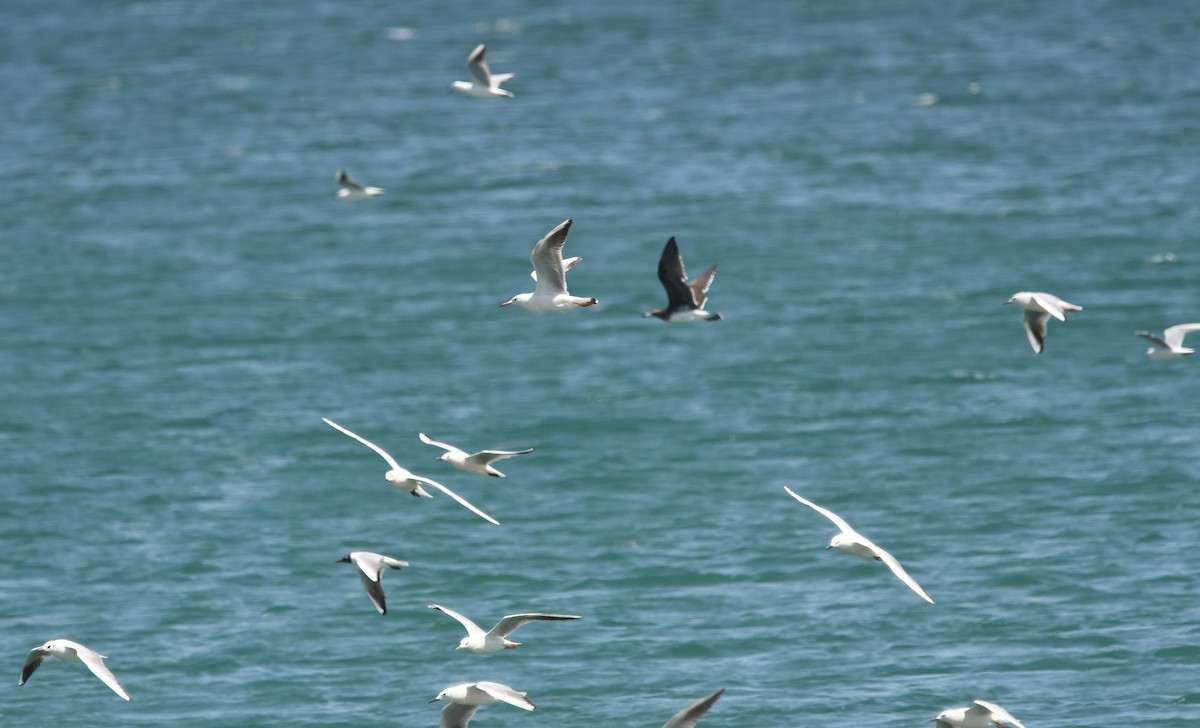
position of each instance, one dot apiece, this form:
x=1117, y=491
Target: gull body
x=479, y=463
x=407, y=481
x=980, y=714
x=550, y=273
x=496, y=638
x=1038, y=306
x=688, y=717
x=370, y=571
x=467, y=698
x=483, y=84
x=352, y=190
x=685, y=299
x=1170, y=345
x=72, y=652
x=853, y=542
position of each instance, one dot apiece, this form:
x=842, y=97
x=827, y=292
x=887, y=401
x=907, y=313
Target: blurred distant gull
x=496, y=638
x=352, y=190
x=483, y=84
x=853, y=542
x=981, y=714
x=685, y=299
x=479, y=463
x=404, y=480
x=370, y=572
x=550, y=294
x=688, y=717
x=1038, y=307
x=73, y=651
x=1170, y=345
x=466, y=698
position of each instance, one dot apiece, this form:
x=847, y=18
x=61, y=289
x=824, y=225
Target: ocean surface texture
x=183, y=298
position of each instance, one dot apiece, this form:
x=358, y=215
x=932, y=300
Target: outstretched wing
x=457, y=716
x=997, y=715
x=509, y=623
x=837, y=520
x=487, y=456
x=462, y=501
x=383, y=453
x=507, y=694
x=445, y=446
x=370, y=578
x=547, y=260
x=477, y=65
x=472, y=629
x=673, y=278
x=1174, y=335
x=899, y=571
x=1035, y=329
x=688, y=717
x=700, y=284
x=33, y=661
x=95, y=662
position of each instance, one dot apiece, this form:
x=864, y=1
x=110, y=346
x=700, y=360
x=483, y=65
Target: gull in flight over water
x=688, y=717
x=411, y=482
x=685, y=299
x=981, y=714
x=496, y=638
x=352, y=190
x=853, y=542
x=466, y=698
x=1170, y=345
x=550, y=273
x=1038, y=307
x=370, y=572
x=72, y=651
x=483, y=84
x=479, y=463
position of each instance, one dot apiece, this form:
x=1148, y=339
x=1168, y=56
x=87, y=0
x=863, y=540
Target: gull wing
x=383, y=453
x=33, y=661
x=95, y=662
x=445, y=446
x=345, y=179
x=568, y=264
x=994, y=712
x=473, y=629
x=1052, y=304
x=673, y=278
x=484, y=457
x=897, y=569
x=1035, y=328
x=837, y=520
x=688, y=717
x=507, y=694
x=700, y=285
x=477, y=65
x=1153, y=339
x=457, y=716
x=1173, y=336
x=462, y=501
x=369, y=575
x=547, y=260
x=509, y=623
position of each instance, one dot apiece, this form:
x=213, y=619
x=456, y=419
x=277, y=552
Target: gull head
x=838, y=541
x=345, y=559
x=1021, y=297
x=519, y=298
x=441, y=696
x=464, y=644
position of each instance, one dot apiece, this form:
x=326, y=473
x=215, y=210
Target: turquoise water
x=183, y=299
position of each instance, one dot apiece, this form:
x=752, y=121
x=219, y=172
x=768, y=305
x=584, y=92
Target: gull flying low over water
x=352, y=190
x=479, y=463
x=370, y=571
x=1170, y=345
x=1038, y=307
x=685, y=299
x=407, y=481
x=73, y=651
x=550, y=273
x=466, y=698
x=483, y=84
x=496, y=638
x=688, y=717
x=853, y=542
x=981, y=714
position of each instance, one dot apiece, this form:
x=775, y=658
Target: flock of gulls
x=686, y=300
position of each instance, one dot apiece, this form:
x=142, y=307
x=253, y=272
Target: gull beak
x=434, y=700
x=506, y=303
x=828, y=547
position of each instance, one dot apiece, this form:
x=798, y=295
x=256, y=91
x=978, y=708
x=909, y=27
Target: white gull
x=479, y=463
x=467, y=698
x=980, y=714
x=74, y=652
x=496, y=638
x=1170, y=346
x=1038, y=307
x=550, y=293
x=370, y=571
x=483, y=84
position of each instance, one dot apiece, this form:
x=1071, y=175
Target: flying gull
x=550, y=293
x=496, y=638
x=466, y=698
x=853, y=542
x=370, y=572
x=1038, y=307
x=685, y=299
x=981, y=714
x=479, y=463
x=72, y=651
x=483, y=84
x=404, y=480
x=1170, y=345
x=352, y=190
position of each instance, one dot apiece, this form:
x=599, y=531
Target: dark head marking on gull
x=685, y=299
x=370, y=571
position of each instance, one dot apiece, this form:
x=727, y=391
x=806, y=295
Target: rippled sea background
x=182, y=299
